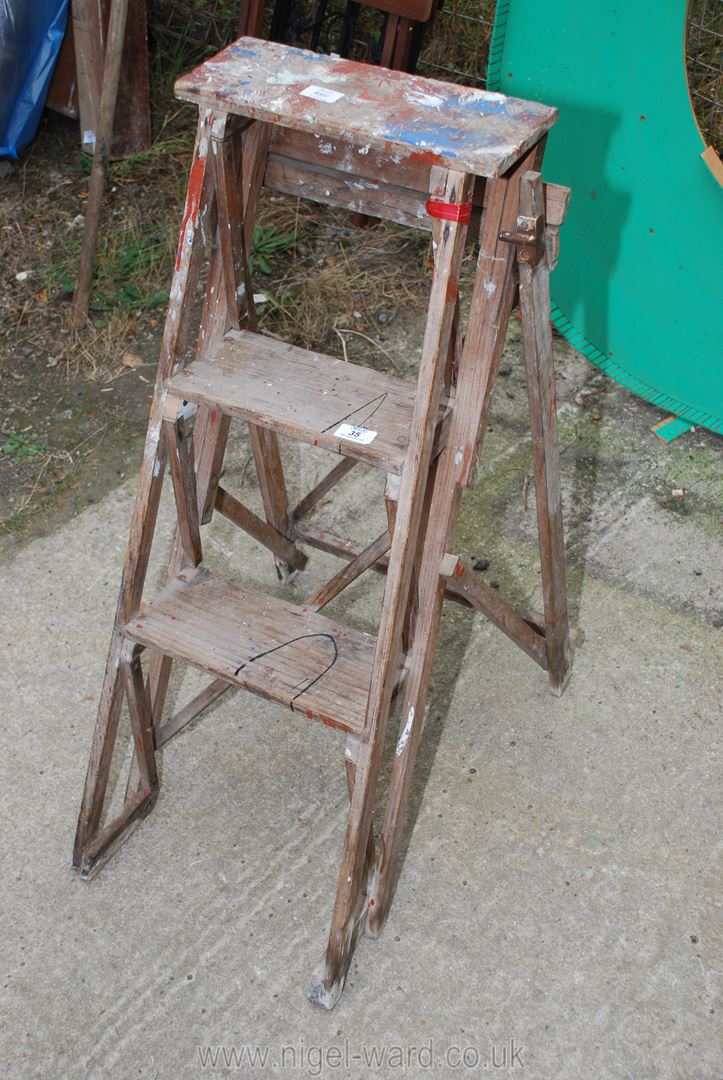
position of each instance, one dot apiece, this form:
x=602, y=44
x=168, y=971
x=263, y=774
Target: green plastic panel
x=639, y=287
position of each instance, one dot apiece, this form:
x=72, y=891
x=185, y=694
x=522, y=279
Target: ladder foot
x=559, y=680
x=285, y=573
x=93, y=857
x=323, y=990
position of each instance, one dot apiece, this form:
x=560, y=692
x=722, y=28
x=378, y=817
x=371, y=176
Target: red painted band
x=450, y=211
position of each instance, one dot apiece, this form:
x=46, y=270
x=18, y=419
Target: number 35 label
x=355, y=434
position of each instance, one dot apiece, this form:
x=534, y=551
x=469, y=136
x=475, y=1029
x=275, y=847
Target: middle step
x=278, y=650
x=314, y=398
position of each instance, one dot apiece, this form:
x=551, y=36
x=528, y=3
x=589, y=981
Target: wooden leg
x=350, y=907
x=209, y=438
x=141, y=798
x=175, y=338
x=141, y=718
x=270, y=472
x=351, y=758
x=180, y=457
x=537, y=338
x=478, y=364
x=235, y=230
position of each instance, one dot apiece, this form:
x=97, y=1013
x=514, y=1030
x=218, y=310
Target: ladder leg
x=537, y=339
x=235, y=232
x=180, y=458
x=141, y=718
x=478, y=364
x=351, y=758
x=351, y=905
x=210, y=434
x=86, y=855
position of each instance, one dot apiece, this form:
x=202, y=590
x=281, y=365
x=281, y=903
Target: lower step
x=277, y=650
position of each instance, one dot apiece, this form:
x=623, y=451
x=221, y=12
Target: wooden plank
x=63, y=91
x=131, y=120
x=103, y=136
x=306, y=395
x=356, y=193
x=266, y=534
x=280, y=651
x=343, y=156
x=88, y=46
x=418, y=10
x=405, y=116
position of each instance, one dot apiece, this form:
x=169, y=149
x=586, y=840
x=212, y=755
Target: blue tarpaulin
x=31, y=33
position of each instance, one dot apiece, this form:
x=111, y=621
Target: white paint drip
x=404, y=737
x=458, y=458
x=284, y=78
x=429, y=101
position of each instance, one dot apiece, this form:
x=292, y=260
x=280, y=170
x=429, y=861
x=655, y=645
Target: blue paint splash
x=465, y=103
x=428, y=137
x=316, y=58
x=242, y=50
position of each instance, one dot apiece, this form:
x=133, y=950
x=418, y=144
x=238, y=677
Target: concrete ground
x=558, y=912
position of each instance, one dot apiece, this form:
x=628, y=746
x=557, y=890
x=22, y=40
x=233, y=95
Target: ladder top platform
x=405, y=116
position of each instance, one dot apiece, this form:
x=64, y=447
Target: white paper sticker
x=355, y=434
x=322, y=93
x=88, y=138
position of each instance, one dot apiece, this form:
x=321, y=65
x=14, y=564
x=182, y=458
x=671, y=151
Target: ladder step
x=305, y=395
x=277, y=650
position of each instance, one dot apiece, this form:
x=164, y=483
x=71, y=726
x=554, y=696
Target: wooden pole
x=103, y=136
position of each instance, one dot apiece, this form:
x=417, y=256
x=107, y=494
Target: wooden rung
x=487, y=600
x=255, y=526
x=324, y=486
x=307, y=396
x=310, y=664
x=189, y=712
x=353, y=569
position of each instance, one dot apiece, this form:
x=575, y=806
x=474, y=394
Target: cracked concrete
x=559, y=903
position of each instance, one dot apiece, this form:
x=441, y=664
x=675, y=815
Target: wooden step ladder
x=396, y=146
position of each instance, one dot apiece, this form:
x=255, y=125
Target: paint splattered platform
x=405, y=116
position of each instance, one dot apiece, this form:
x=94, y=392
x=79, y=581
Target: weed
x=267, y=243
x=21, y=445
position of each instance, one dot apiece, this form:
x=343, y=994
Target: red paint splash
x=193, y=201
x=427, y=157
